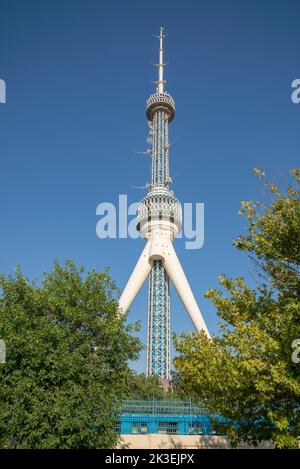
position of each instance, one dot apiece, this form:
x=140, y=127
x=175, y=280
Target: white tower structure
x=160, y=221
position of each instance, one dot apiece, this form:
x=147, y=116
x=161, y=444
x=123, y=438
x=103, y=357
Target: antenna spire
x=161, y=82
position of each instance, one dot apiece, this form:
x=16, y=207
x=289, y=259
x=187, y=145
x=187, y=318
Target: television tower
x=160, y=221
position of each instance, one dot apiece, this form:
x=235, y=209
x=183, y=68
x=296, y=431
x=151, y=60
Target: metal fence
x=172, y=417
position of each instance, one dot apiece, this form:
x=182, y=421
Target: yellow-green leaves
x=247, y=373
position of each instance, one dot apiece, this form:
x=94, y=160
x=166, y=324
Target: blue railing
x=166, y=417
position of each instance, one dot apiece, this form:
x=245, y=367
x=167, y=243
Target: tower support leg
x=136, y=280
x=179, y=280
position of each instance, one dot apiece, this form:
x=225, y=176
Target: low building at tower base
x=172, y=424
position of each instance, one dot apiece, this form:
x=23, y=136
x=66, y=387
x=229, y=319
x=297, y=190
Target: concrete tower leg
x=179, y=280
x=136, y=280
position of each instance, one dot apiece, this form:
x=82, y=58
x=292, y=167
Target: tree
x=247, y=373
x=138, y=386
x=66, y=348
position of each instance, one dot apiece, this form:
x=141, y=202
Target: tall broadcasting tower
x=159, y=221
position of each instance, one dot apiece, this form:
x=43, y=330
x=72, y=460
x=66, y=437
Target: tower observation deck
x=159, y=221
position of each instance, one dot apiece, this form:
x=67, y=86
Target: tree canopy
x=247, y=373
x=139, y=386
x=66, y=359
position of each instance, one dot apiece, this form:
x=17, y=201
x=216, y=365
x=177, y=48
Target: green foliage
x=138, y=386
x=247, y=373
x=67, y=347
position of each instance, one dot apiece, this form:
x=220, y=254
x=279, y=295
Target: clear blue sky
x=78, y=74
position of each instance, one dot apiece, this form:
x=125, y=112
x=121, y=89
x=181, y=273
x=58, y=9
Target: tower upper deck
x=160, y=102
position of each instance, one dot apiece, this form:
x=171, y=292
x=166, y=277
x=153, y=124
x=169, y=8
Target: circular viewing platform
x=160, y=204
x=160, y=101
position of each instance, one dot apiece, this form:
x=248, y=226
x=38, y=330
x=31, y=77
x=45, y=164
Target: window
x=196, y=428
x=139, y=427
x=168, y=427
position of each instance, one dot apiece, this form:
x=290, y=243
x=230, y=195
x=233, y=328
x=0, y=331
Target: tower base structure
x=159, y=261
